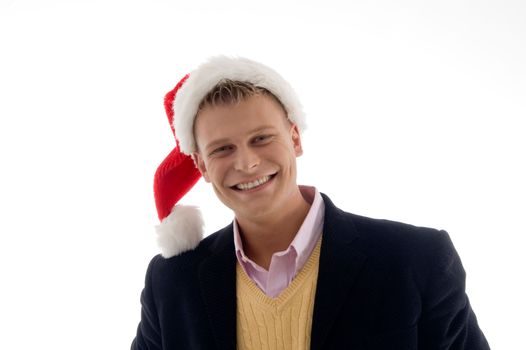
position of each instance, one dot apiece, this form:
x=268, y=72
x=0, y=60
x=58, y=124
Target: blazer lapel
x=217, y=275
x=339, y=265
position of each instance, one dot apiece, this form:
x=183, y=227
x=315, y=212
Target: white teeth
x=250, y=185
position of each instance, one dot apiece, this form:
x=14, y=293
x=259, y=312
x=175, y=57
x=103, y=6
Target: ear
x=200, y=165
x=296, y=140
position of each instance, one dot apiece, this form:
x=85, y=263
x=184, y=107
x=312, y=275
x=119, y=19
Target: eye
x=261, y=139
x=221, y=150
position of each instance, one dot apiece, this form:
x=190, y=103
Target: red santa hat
x=181, y=227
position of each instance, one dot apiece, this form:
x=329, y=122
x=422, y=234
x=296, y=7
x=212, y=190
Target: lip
x=271, y=180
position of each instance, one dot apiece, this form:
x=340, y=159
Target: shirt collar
x=306, y=237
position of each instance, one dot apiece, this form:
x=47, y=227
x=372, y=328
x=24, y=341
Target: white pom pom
x=180, y=231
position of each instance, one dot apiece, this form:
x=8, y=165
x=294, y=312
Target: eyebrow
x=226, y=140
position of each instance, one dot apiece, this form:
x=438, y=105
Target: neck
x=262, y=237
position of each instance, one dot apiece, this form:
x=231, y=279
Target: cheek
x=284, y=153
x=216, y=170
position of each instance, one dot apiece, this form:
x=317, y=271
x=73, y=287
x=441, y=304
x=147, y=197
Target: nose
x=247, y=159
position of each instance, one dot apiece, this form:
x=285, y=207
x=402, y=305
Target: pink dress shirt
x=285, y=265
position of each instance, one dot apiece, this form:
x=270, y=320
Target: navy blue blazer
x=381, y=285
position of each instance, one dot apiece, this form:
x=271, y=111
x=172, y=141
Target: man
x=292, y=271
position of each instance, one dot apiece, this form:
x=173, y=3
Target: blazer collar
x=338, y=269
x=217, y=275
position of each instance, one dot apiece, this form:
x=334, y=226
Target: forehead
x=230, y=121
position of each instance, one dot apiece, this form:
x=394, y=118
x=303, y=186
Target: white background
x=415, y=113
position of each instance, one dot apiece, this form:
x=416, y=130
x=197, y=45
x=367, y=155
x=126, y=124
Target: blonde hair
x=228, y=92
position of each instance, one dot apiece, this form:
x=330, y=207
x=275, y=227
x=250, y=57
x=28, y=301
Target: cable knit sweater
x=285, y=322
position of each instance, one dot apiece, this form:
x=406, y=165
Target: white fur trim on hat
x=206, y=77
x=180, y=231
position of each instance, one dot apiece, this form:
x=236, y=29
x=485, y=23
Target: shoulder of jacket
x=400, y=243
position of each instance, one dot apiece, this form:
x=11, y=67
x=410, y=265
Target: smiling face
x=248, y=151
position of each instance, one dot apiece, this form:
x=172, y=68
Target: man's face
x=248, y=152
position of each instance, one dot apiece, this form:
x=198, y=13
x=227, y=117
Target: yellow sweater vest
x=284, y=322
